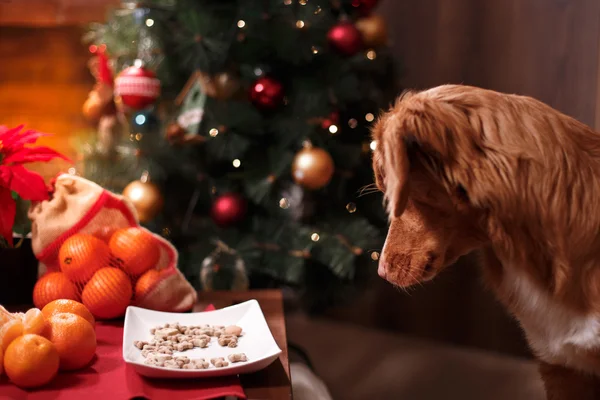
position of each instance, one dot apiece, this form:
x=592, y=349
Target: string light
x=369, y=117
x=213, y=132
x=315, y=237
x=371, y=54
x=236, y=163
x=138, y=136
x=140, y=119
x=131, y=137
x=314, y=50
x=241, y=23
x=302, y=2
x=72, y=171
x=352, y=123
x=149, y=22
x=318, y=10
x=374, y=256
x=333, y=129
x=373, y=145
x=258, y=71
x=299, y=24
x=287, y=2
x=351, y=207
x=284, y=203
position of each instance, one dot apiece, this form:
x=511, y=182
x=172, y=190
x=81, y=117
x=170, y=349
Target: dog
x=463, y=169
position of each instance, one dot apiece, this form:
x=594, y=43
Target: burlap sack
x=81, y=206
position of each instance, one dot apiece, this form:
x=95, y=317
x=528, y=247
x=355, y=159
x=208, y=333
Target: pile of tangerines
x=105, y=271
x=35, y=345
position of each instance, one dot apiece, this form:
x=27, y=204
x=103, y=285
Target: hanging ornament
x=100, y=100
x=228, y=209
x=267, y=93
x=332, y=119
x=373, y=30
x=223, y=269
x=146, y=198
x=226, y=85
x=345, y=38
x=137, y=87
x=312, y=168
x=364, y=7
x=296, y=202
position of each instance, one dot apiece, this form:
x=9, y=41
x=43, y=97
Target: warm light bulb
x=140, y=119
x=72, y=171
x=241, y=23
x=369, y=117
x=318, y=10
x=299, y=24
x=315, y=237
x=314, y=50
x=138, y=136
x=287, y=2
x=333, y=129
x=373, y=145
x=302, y=2
x=351, y=207
x=374, y=256
x=284, y=203
x=371, y=54
x=213, y=132
x=149, y=22
x=352, y=123
x=236, y=163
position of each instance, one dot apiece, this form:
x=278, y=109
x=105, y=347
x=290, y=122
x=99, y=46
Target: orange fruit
x=31, y=361
x=10, y=331
x=105, y=233
x=81, y=255
x=1, y=361
x=53, y=286
x=35, y=323
x=108, y=293
x=74, y=338
x=68, y=306
x=147, y=282
x=135, y=250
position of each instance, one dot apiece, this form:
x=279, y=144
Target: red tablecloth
x=109, y=378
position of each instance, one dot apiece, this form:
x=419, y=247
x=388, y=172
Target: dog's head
x=427, y=157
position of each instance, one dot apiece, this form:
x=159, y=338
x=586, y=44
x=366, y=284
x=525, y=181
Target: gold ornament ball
x=146, y=198
x=312, y=168
x=373, y=30
x=93, y=107
x=226, y=85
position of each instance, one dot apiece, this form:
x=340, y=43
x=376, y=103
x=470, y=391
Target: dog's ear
x=396, y=165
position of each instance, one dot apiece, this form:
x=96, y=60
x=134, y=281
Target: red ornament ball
x=137, y=87
x=345, y=38
x=364, y=7
x=267, y=93
x=228, y=209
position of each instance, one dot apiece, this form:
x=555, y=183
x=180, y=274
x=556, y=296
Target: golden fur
x=463, y=168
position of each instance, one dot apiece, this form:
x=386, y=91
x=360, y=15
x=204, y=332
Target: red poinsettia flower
x=15, y=178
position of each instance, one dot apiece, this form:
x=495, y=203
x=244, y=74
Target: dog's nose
x=382, y=268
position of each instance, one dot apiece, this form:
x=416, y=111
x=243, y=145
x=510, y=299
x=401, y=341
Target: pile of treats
x=174, y=337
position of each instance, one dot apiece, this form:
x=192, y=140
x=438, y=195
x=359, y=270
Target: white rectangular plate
x=256, y=341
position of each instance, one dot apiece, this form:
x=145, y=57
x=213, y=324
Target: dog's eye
x=462, y=193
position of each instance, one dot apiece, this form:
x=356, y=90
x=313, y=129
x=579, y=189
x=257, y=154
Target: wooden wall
x=548, y=49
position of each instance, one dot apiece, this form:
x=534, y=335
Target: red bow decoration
x=16, y=178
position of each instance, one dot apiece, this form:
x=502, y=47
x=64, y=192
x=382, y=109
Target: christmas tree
x=240, y=131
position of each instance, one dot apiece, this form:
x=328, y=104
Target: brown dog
x=464, y=168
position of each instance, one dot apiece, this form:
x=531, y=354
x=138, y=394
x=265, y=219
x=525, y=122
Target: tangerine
x=147, y=282
x=34, y=322
x=53, y=286
x=68, y=306
x=10, y=331
x=108, y=293
x=134, y=249
x=1, y=361
x=31, y=361
x=81, y=255
x=74, y=338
